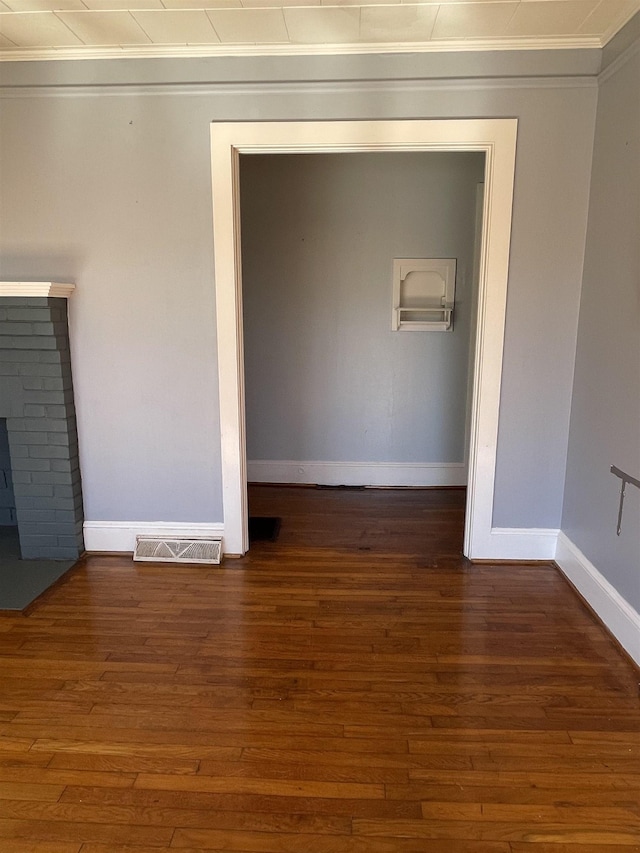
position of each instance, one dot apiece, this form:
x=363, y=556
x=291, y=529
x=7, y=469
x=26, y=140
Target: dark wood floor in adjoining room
x=355, y=687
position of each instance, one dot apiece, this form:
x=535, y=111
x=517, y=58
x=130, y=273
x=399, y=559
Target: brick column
x=36, y=398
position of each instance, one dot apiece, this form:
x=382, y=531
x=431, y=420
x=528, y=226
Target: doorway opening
x=496, y=140
x=335, y=393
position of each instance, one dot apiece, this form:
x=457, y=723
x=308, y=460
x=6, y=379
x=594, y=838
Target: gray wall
x=326, y=377
x=605, y=415
x=109, y=188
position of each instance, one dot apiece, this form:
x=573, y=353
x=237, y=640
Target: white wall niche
x=423, y=294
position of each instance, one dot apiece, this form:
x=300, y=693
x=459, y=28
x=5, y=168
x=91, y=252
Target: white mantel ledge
x=36, y=288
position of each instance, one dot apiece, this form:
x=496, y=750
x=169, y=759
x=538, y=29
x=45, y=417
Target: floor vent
x=156, y=550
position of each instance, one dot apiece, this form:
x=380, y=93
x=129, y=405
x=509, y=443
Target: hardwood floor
x=355, y=687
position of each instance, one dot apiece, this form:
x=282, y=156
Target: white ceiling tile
x=473, y=20
x=203, y=4
x=260, y=4
x=607, y=14
x=323, y=26
x=249, y=26
x=362, y=3
x=397, y=23
x=37, y=29
x=177, y=27
x=61, y=23
x=44, y=5
x=101, y=28
x=549, y=18
x=122, y=5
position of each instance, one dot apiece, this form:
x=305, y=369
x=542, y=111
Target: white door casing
x=497, y=139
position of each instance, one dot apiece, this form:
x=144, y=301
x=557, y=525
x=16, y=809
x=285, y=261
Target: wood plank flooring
x=354, y=687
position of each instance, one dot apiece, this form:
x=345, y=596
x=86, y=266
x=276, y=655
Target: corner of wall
x=576, y=327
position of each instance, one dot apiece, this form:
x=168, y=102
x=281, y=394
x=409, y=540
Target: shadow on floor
x=22, y=581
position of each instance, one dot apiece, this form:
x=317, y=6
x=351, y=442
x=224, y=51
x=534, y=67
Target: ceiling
x=45, y=29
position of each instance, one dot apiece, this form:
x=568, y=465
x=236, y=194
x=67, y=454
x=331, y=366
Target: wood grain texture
x=355, y=687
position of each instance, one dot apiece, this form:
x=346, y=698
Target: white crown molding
x=36, y=289
x=120, y=536
x=618, y=616
x=396, y=474
x=169, y=51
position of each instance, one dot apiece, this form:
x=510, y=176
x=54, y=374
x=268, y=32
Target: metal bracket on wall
x=626, y=478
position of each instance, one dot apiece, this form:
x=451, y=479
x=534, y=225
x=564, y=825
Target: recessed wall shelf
x=423, y=294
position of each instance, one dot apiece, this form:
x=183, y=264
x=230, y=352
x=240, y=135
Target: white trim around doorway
x=497, y=139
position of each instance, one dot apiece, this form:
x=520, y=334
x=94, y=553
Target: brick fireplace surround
x=36, y=399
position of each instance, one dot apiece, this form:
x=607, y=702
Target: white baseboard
x=357, y=473
x=517, y=543
x=121, y=535
x=621, y=619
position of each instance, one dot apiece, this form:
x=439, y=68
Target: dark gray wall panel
x=36, y=399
